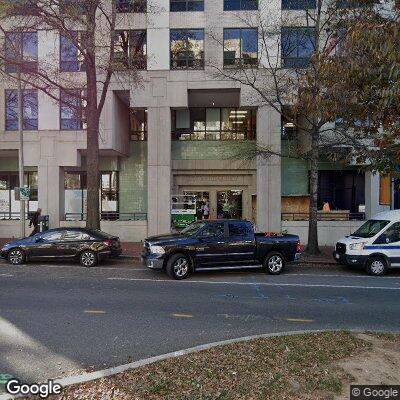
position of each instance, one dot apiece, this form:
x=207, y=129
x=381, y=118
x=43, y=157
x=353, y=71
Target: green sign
x=4, y=378
x=24, y=193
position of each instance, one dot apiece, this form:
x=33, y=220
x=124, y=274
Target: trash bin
x=43, y=223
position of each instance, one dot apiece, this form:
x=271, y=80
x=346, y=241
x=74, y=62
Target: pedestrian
x=206, y=210
x=35, y=221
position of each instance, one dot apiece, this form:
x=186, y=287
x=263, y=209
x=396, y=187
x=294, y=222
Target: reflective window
x=138, y=124
x=215, y=229
x=240, y=228
x=214, y=124
x=130, y=49
x=391, y=235
x=71, y=57
x=52, y=236
x=298, y=45
x=30, y=109
x=75, y=235
x=21, y=51
x=187, y=48
x=72, y=110
x=73, y=7
x=236, y=5
x=131, y=6
x=240, y=47
x=186, y=5
x=298, y=4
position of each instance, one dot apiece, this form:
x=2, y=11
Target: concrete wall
x=11, y=229
x=329, y=232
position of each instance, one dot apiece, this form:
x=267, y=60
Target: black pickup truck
x=219, y=243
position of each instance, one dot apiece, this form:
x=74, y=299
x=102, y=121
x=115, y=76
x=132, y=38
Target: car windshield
x=370, y=228
x=193, y=228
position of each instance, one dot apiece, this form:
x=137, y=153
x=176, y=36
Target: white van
x=375, y=245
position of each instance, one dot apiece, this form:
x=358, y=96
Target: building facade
x=173, y=134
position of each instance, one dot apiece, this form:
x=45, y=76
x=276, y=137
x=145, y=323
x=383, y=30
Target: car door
x=241, y=242
x=388, y=243
x=212, y=241
x=46, y=245
x=72, y=242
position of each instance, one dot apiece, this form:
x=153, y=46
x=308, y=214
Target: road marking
x=344, y=276
x=255, y=283
x=7, y=275
x=299, y=320
x=94, y=312
x=182, y=315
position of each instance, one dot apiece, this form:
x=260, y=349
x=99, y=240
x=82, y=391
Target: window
x=71, y=58
x=9, y=207
x=240, y=229
x=384, y=190
x=72, y=110
x=298, y=45
x=74, y=7
x=288, y=124
x=21, y=51
x=75, y=195
x=29, y=110
x=240, y=47
x=75, y=235
x=215, y=229
x=236, y=5
x=187, y=48
x=131, y=6
x=214, y=124
x=130, y=49
x=186, y=5
x=138, y=124
x=298, y=4
x=21, y=7
x=391, y=235
x=52, y=236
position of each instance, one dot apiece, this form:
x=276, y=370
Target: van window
x=391, y=235
x=370, y=228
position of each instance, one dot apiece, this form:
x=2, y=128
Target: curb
x=83, y=378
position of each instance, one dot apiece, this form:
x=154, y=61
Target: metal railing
x=325, y=216
x=109, y=216
x=9, y=216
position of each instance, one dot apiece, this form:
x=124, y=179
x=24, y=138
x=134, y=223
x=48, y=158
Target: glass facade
x=131, y=6
x=186, y=5
x=29, y=110
x=9, y=207
x=237, y=5
x=138, y=124
x=187, y=48
x=240, y=47
x=214, y=124
x=298, y=4
x=130, y=48
x=21, y=51
x=298, y=45
x=71, y=58
x=72, y=110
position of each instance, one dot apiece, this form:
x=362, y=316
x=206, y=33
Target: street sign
x=24, y=193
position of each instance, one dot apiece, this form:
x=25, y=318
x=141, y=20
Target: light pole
x=21, y=154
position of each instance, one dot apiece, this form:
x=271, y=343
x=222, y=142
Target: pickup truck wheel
x=274, y=263
x=377, y=266
x=178, y=267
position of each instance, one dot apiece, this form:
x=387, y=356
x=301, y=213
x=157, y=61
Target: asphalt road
x=57, y=320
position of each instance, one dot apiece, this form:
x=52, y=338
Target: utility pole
x=21, y=153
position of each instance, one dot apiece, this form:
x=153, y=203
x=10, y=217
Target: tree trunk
x=312, y=247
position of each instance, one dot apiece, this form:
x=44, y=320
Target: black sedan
x=86, y=245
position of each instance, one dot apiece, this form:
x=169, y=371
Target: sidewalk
x=132, y=250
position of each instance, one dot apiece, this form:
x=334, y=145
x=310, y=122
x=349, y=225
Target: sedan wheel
x=88, y=259
x=274, y=263
x=16, y=256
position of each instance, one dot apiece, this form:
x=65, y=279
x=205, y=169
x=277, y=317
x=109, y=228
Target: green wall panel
x=294, y=177
x=133, y=179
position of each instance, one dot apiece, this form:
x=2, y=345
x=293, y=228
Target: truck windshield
x=370, y=228
x=193, y=228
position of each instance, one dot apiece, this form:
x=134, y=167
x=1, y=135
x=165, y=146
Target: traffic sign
x=24, y=193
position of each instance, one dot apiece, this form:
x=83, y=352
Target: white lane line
x=8, y=275
x=256, y=283
x=344, y=276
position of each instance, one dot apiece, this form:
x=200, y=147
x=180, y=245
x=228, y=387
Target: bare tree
x=88, y=29
x=289, y=75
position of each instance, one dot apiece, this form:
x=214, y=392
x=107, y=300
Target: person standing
x=35, y=221
x=206, y=210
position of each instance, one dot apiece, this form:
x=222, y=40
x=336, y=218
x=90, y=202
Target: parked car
x=375, y=245
x=219, y=243
x=86, y=245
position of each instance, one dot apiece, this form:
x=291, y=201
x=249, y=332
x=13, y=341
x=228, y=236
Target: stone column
x=159, y=170
x=372, y=205
x=269, y=171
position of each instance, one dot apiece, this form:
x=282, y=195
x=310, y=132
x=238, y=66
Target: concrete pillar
x=268, y=171
x=50, y=190
x=159, y=170
x=372, y=205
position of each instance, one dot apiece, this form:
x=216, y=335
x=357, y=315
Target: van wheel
x=377, y=266
x=178, y=267
x=274, y=263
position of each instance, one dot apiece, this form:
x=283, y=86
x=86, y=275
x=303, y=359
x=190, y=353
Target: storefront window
x=9, y=207
x=214, y=124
